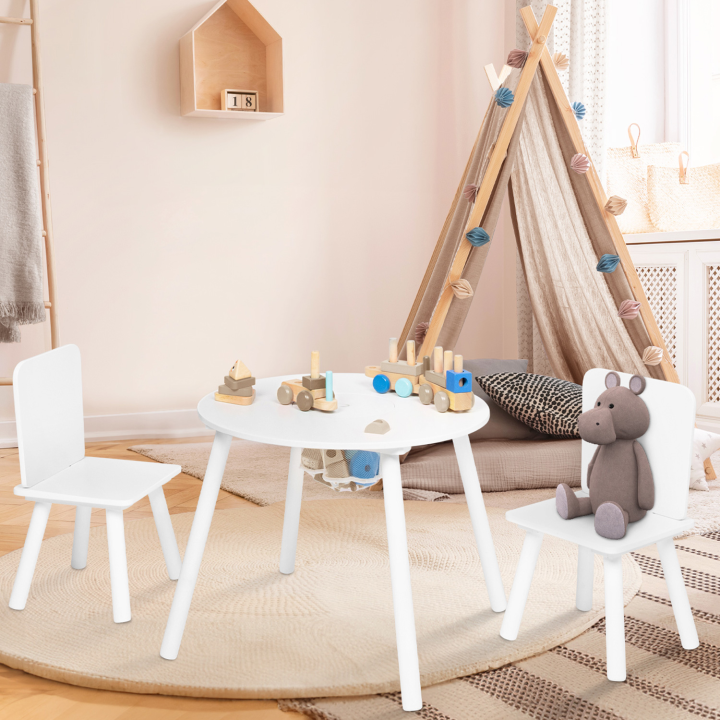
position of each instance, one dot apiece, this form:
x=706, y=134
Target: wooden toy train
x=312, y=391
x=442, y=382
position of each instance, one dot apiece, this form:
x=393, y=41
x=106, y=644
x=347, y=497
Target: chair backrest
x=49, y=413
x=667, y=443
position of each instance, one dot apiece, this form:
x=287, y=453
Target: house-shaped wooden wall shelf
x=232, y=47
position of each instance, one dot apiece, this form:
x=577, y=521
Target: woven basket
x=684, y=199
x=627, y=172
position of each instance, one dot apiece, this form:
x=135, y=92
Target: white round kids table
x=411, y=423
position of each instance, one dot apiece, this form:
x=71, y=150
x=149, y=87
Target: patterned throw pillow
x=546, y=404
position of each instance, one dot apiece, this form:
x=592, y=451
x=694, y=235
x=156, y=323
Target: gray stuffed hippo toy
x=619, y=477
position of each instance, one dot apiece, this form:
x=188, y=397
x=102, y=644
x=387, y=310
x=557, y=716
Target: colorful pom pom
x=517, y=58
x=608, y=263
x=652, y=355
x=561, y=61
x=478, y=237
x=629, y=309
x=580, y=164
x=579, y=109
x=462, y=289
x=616, y=205
x=504, y=97
x=420, y=332
x=470, y=192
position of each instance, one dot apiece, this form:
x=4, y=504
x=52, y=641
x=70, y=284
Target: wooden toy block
x=436, y=378
x=315, y=364
x=326, y=405
x=378, y=427
x=249, y=102
x=447, y=360
x=237, y=384
x=234, y=399
x=426, y=381
x=338, y=470
x=312, y=459
x=410, y=352
x=393, y=354
x=458, y=363
x=458, y=382
x=461, y=402
x=242, y=392
x=372, y=370
x=239, y=371
x=311, y=383
x=364, y=465
x=438, y=360
x=239, y=100
x=297, y=387
x=330, y=457
x=426, y=364
x=401, y=367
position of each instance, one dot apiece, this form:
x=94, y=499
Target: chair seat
x=543, y=517
x=101, y=483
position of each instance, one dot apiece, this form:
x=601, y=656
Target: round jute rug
x=325, y=630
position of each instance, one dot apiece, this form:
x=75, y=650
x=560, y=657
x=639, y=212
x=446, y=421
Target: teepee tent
x=582, y=284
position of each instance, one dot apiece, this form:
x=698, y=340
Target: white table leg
x=29, y=556
x=118, y=566
x=291, y=522
x=678, y=594
x=481, y=526
x=521, y=585
x=614, y=619
x=195, y=547
x=401, y=588
x=165, y=532
x=585, y=573
x=81, y=537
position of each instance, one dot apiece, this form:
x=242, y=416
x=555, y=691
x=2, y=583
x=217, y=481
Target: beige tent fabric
x=575, y=311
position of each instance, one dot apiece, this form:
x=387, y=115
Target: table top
x=411, y=422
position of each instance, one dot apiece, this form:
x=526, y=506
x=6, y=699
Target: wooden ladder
x=50, y=303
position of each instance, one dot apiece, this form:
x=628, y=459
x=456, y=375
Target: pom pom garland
x=579, y=109
x=561, y=61
x=629, y=309
x=421, y=332
x=616, y=205
x=580, y=164
x=517, y=58
x=608, y=263
x=478, y=237
x=470, y=192
x=504, y=97
x=462, y=289
x=652, y=355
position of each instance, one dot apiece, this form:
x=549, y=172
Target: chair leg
x=29, y=556
x=585, y=573
x=521, y=585
x=400, y=581
x=118, y=566
x=678, y=594
x=481, y=526
x=165, y=532
x=291, y=521
x=614, y=619
x=81, y=537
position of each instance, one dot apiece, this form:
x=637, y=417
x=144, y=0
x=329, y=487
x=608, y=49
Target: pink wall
x=184, y=243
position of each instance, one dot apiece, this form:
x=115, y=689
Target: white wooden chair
x=54, y=469
x=668, y=445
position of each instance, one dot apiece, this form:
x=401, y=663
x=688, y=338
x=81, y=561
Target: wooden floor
x=26, y=697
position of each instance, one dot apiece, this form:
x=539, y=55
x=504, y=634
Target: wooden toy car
x=310, y=391
x=443, y=383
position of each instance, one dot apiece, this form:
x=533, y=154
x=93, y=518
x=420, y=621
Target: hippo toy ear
x=637, y=384
x=612, y=379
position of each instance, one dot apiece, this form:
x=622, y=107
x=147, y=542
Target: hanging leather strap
x=684, y=179
x=634, y=141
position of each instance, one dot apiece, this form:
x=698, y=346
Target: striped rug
x=664, y=682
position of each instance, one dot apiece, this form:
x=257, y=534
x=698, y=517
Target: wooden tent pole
x=490, y=178
x=568, y=116
x=628, y=266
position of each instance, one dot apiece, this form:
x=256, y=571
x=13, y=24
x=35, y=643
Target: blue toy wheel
x=381, y=383
x=403, y=387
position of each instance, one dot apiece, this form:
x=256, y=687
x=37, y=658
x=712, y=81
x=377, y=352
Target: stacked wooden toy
x=310, y=391
x=238, y=388
x=442, y=381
